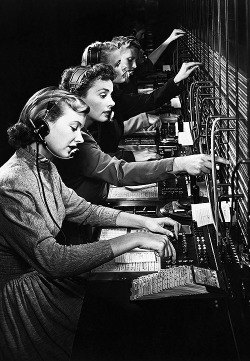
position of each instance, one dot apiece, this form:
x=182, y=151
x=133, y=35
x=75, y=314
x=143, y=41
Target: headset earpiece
x=41, y=130
x=93, y=55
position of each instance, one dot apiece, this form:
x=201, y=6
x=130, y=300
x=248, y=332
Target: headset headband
x=133, y=41
x=76, y=77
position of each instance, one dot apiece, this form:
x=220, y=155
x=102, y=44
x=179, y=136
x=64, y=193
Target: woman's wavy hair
x=79, y=79
x=128, y=41
x=46, y=105
x=104, y=48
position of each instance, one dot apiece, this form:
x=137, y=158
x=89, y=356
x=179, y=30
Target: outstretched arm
x=185, y=70
x=196, y=164
x=154, y=56
x=129, y=105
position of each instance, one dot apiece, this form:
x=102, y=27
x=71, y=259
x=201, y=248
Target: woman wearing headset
x=41, y=288
x=137, y=62
x=128, y=105
x=92, y=169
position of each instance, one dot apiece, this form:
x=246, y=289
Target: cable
x=44, y=196
x=209, y=117
x=233, y=333
x=213, y=161
x=73, y=153
x=193, y=121
x=233, y=196
x=246, y=161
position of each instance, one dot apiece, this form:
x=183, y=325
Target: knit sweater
x=40, y=296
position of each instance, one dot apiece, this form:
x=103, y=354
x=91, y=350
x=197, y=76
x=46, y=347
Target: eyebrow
x=103, y=89
x=78, y=123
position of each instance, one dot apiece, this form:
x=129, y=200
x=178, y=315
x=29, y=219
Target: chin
x=102, y=120
x=123, y=80
x=65, y=155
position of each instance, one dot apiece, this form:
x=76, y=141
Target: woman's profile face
x=128, y=57
x=114, y=59
x=99, y=100
x=65, y=132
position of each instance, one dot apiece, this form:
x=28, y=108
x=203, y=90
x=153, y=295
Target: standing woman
x=41, y=289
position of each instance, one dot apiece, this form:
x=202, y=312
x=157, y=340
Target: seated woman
x=128, y=105
x=41, y=288
x=116, y=129
x=89, y=173
x=137, y=62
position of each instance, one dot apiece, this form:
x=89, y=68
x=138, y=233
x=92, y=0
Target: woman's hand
x=157, y=225
x=145, y=154
x=196, y=164
x=156, y=242
x=176, y=33
x=185, y=70
x=154, y=121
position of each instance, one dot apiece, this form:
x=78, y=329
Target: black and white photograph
x=125, y=180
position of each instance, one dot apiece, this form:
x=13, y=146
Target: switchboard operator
x=41, y=294
x=92, y=169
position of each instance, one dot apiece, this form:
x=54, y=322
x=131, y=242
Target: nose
x=111, y=102
x=79, y=138
x=134, y=64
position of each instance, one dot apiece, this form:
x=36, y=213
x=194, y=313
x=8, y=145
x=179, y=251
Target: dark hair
x=105, y=49
x=79, y=79
x=46, y=105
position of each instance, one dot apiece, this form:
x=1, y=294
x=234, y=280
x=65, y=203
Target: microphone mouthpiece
x=74, y=152
x=111, y=116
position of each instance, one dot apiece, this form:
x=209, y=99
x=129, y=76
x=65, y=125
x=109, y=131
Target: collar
x=29, y=154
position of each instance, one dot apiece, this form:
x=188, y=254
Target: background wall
x=40, y=38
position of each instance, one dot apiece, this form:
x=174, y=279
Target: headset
x=41, y=130
x=133, y=41
x=93, y=55
x=41, y=126
x=76, y=78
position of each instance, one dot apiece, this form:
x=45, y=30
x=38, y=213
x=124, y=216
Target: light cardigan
x=40, y=299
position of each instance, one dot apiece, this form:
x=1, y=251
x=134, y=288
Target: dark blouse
x=89, y=172
x=108, y=134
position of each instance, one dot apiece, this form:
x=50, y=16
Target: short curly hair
x=105, y=48
x=128, y=41
x=46, y=105
x=79, y=79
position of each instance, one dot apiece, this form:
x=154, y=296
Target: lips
x=127, y=74
x=72, y=147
